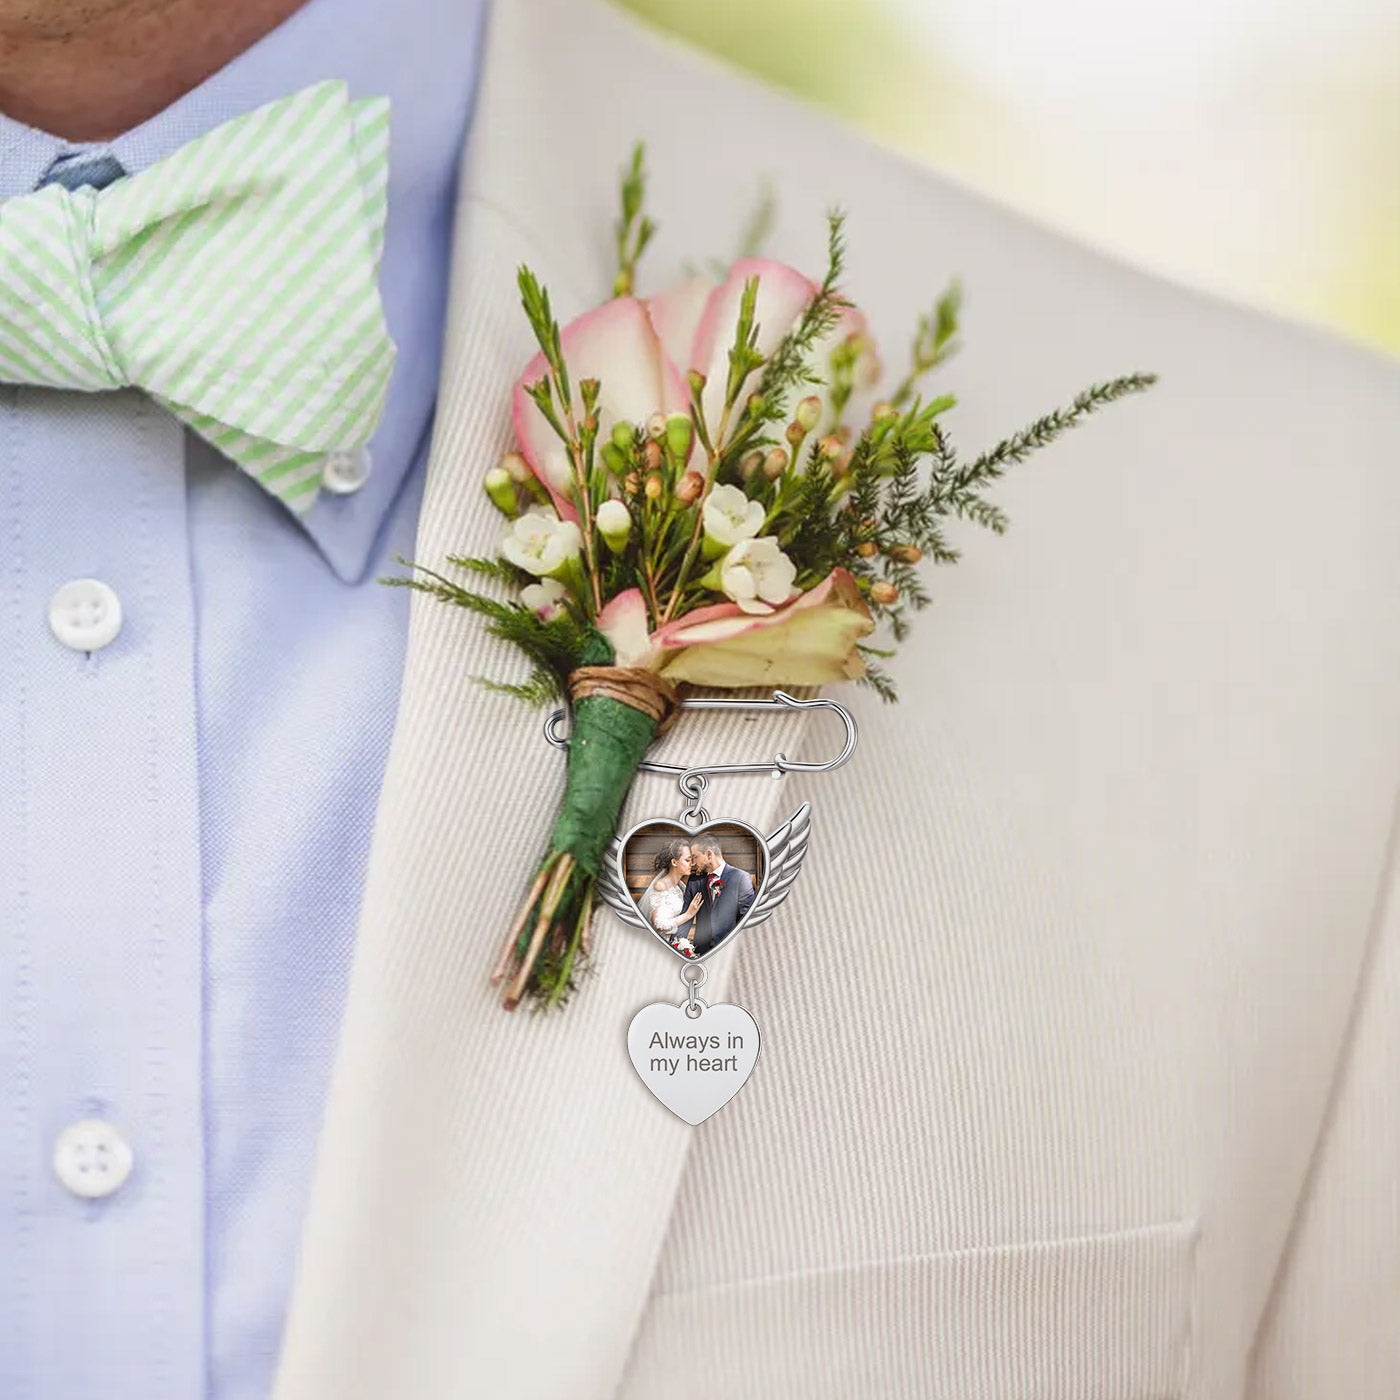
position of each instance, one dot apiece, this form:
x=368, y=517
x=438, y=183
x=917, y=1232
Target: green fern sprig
x=992, y=464
x=789, y=367
x=552, y=646
x=633, y=229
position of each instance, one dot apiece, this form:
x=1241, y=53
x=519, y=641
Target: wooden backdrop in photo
x=740, y=847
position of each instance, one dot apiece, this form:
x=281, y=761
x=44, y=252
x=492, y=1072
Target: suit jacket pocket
x=1102, y=1317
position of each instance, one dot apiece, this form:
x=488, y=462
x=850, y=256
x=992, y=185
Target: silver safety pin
x=781, y=763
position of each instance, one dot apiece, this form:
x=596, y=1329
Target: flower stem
x=585, y=507
x=711, y=468
x=563, y=864
x=509, y=947
x=578, y=943
x=649, y=579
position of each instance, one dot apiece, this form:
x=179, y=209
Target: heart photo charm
x=694, y=884
x=696, y=887
x=693, y=1064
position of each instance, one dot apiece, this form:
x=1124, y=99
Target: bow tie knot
x=235, y=282
x=47, y=244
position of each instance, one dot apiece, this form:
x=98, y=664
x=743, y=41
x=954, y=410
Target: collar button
x=346, y=471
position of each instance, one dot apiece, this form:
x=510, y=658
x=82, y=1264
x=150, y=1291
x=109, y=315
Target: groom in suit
x=728, y=893
x=1068, y=1035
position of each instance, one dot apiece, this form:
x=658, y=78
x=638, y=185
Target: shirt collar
x=424, y=56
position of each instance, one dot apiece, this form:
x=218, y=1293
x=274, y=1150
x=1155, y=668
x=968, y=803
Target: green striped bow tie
x=234, y=281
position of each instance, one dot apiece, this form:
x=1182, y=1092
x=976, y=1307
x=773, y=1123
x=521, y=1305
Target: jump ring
x=692, y=784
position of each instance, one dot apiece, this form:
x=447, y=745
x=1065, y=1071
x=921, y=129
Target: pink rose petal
x=723, y=621
x=624, y=623
x=676, y=313
x=808, y=642
x=617, y=345
x=783, y=294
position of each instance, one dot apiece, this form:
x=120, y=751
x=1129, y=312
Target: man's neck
x=90, y=71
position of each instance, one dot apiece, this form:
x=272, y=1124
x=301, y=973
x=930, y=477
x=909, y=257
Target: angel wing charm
x=786, y=848
x=612, y=888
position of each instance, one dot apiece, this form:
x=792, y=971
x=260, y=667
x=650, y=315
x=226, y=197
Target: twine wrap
x=642, y=690
x=617, y=712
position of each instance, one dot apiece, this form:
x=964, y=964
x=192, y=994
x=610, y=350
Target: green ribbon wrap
x=608, y=741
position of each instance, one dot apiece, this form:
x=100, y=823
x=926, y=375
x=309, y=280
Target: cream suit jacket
x=1081, y=1066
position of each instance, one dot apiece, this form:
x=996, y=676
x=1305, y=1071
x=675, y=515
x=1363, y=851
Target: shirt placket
x=101, y=948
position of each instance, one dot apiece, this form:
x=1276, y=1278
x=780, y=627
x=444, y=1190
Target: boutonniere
x=708, y=488
x=716, y=886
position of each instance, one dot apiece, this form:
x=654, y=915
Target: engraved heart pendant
x=693, y=1064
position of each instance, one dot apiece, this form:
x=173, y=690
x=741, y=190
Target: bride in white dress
x=661, y=903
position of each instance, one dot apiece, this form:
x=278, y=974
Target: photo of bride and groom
x=699, y=887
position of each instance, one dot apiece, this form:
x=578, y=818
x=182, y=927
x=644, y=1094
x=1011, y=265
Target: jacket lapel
x=492, y=1189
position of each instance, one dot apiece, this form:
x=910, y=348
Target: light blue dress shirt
x=185, y=812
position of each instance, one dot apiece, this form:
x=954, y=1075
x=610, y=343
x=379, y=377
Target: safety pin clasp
x=780, y=762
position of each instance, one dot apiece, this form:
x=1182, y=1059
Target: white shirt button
x=85, y=614
x=345, y=472
x=91, y=1158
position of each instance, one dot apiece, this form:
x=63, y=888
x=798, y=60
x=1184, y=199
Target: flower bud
x=690, y=488
x=867, y=549
x=842, y=433
x=614, y=524
x=906, y=553
x=829, y=447
x=653, y=488
x=651, y=455
x=631, y=483
x=755, y=404
x=656, y=426
x=749, y=463
x=808, y=412
x=869, y=369
x=613, y=460
x=680, y=433
x=774, y=463
x=884, y=593
x=622, y=436
x=696, y=380
x=516, y=467
x=501, y=490
x=840, y=464
x=545, y=598
x=795, y=433
x=883, y=409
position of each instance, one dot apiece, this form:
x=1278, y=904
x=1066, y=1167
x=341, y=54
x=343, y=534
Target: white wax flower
x=545, y=597
x=757, y=575
x=541, y=543
x=614, y=524
x=730, y=516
